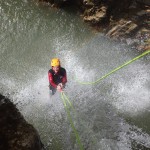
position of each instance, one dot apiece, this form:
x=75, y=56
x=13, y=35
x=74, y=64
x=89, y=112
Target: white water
x=106, y=112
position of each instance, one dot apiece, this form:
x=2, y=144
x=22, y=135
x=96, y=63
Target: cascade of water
x=107, y=113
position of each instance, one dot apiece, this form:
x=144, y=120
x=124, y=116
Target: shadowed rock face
x=119, y=19
x=15, y=132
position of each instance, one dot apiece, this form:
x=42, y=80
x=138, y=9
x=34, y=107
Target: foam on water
x=131, y=90
x=86, y=57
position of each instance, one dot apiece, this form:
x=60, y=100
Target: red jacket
x=56, y=78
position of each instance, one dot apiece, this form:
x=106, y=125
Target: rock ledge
x=15, y=132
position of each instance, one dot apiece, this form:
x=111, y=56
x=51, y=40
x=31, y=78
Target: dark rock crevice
x=15, y=132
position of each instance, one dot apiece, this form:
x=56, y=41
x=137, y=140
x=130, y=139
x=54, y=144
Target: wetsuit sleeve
x=50, y=77
x=64, y=79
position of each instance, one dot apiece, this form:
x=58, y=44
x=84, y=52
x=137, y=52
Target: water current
x=111, y=115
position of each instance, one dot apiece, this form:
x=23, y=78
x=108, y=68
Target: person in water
x=57, y=76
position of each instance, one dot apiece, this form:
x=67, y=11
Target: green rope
x=69, y=102
x=71, y=105
x=71, y=122
x=116, y=69
x=66, y=100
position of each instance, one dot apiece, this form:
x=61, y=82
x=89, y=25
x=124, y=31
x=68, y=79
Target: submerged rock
x=15, y=132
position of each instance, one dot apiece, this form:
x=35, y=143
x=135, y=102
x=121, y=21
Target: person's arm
x=64, y=79
x=51, y=80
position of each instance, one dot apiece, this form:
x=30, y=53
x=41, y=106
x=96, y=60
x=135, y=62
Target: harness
x=57, y=78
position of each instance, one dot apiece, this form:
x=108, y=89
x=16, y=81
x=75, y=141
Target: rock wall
x=123, y=19
x=15, y=132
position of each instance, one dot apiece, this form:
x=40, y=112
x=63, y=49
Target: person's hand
x=62, y=86
x=59, y=87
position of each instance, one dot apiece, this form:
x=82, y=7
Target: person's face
x=56, y=69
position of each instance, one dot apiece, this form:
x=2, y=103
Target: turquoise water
x=113, y=114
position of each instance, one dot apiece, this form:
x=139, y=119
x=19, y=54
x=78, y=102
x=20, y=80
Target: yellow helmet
x=55, y=62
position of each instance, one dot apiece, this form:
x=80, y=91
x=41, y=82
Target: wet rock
x=88, y=3
x=93, y=16
x=123, y=28
x=115, y=18
x=146, y=2
x=147, y=47
x=15, y=132
x=143, y=12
